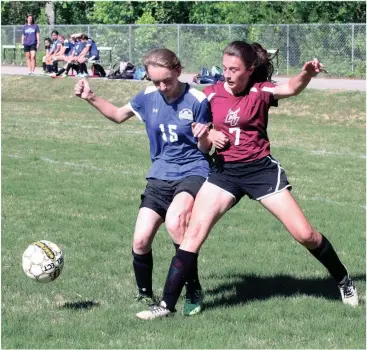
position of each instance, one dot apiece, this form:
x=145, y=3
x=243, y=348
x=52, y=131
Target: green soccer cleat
x=145, y=300
x=194, y=302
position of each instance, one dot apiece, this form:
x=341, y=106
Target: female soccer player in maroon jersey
x=244, y=166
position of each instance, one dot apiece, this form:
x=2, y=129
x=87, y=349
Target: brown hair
x=26, y=19
x=162, y=58
x=252, y=55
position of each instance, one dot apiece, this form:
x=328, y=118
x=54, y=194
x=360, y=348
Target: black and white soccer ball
x=43, y=261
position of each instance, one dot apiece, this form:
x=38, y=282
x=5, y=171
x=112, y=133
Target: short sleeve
x=37, y=29
x=23, y=30
x=137, y=105
x=202, y=112
x=266, y=90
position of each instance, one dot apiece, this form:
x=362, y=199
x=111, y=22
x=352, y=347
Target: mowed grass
x=71, y=176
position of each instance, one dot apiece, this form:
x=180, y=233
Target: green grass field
x=73, y=177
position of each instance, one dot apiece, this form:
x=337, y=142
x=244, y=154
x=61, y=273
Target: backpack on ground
x=98, y=70
x=140, y=73
x=122, y=70
x=213, y=76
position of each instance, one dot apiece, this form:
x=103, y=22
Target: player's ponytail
x=263, y=65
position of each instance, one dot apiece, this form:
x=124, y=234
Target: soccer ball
x=43, y=261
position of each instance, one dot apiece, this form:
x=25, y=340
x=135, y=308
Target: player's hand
x=218, y=139
x=200, y=130
x=313, y=67
x=82, y=89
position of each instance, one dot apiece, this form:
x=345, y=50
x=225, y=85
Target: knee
x=308, y=237
x=142, y=244
x=176, y=226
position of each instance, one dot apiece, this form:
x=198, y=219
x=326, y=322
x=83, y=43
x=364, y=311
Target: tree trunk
x=50, y=12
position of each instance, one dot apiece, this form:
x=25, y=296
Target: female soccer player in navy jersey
x=177, y=120
x=244, y=166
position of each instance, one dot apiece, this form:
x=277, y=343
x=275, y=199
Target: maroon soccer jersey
x=243, y=119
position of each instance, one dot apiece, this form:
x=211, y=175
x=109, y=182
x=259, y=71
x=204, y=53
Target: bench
x=11, y=47
x=103, y=49
x=273, y=53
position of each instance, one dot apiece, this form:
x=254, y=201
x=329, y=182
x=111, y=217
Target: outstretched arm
x=298, y=83
x=110, y=111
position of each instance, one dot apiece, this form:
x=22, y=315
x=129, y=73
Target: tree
x=50, y=12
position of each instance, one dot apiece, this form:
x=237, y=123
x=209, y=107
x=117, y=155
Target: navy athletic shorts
x=257, y=179
x=159, y=194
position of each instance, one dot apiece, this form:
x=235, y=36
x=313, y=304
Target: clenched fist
x=82, y=90
x=200, y=130
x=314, y=67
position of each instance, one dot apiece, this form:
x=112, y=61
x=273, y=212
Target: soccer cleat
x=155, y=311
x=146, y=300
x=348, y=291
x=194, y=302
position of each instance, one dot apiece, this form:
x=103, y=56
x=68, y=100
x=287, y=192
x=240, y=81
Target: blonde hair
x=162, y=58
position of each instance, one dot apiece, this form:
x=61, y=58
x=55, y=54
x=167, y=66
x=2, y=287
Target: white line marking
x=323, y=152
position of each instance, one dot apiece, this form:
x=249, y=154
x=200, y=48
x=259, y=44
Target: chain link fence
x=341, y=47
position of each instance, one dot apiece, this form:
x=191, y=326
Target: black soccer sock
x=62, y=70
x=54, y=66
x=143, y=269
x=83, y=68
x=44, y=66
x=49, y=68
x=326, y=254
x=192, y=281
x=181, y=264
x=68, y=68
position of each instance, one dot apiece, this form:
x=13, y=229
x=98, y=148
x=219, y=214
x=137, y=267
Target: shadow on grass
x=80, y=305
x=248, y=288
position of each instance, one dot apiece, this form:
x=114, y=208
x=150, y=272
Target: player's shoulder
x=212, y=90
x=149, y=90
x=197, y=94
x=263, y=87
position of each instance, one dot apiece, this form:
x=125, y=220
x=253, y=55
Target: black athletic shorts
x=28, y=48
x=159, y=194
x=257, y=179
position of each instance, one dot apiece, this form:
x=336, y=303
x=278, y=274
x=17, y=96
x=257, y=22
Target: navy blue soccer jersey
x=54, y=45
x=93, y=51
x=173, y=148
x=68, y=47
x=78, y=47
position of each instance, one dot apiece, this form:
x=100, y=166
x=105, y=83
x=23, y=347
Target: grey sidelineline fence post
x=130, y=60
x=178, y=40
x=287, y=47
x=352, y=47
x=14, y=35
x=229, y=33
x=88, y=31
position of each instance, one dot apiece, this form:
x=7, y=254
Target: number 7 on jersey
x=237, y=136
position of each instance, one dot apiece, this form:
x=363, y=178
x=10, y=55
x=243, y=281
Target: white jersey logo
x=187, y=114
x=155, y=110
x=232, y=118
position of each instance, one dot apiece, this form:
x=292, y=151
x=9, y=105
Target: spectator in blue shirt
x=31, y=42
